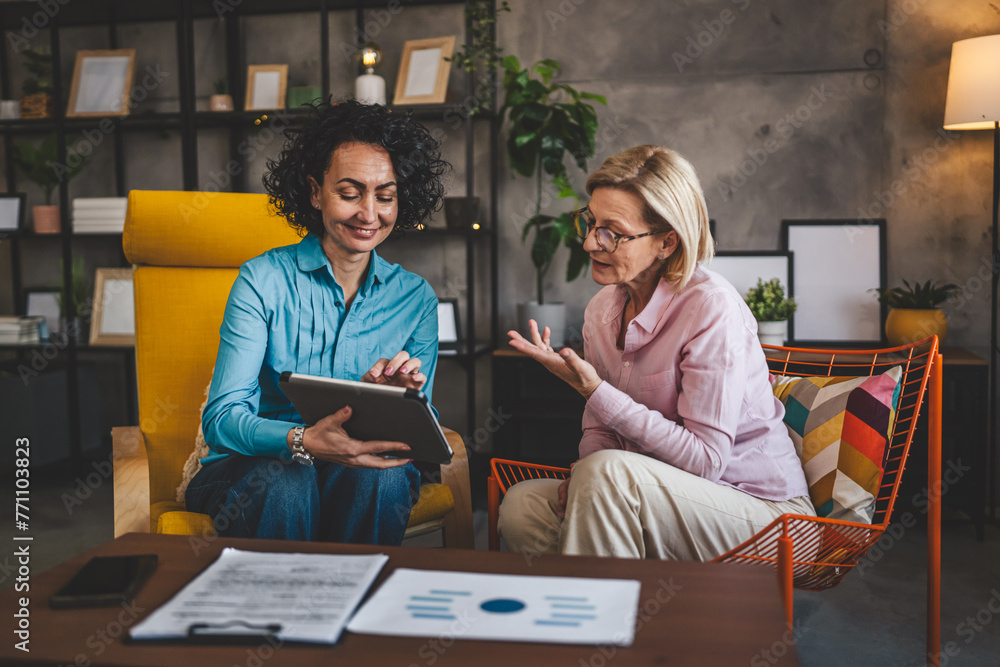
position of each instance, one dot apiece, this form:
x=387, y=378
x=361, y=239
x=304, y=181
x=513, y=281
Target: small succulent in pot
x=768, y=303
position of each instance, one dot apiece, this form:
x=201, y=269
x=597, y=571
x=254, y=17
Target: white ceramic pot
x=220, y=103
x=772, y=333
x=551, y=315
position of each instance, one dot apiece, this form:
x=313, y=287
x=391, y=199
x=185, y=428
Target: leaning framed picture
x=102, y=81
x=11, y=213
x=266, y=85
x=449, y=338
x=837, y=265
x=113, y=320
x=742, y=268
x=423, y=71
x=44, y=302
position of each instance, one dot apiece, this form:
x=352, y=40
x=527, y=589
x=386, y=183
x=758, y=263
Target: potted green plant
x=37, y=87
x=547, y=123
x=913, y=311
x=221, y=100
x=771, y=309
x=39, y=164
x=79, y=291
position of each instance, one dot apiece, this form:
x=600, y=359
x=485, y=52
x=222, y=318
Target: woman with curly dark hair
x=329, y=305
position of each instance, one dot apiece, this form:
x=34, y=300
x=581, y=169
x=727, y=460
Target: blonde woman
x=684, y=454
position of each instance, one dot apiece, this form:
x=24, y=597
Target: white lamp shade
x=973, y=84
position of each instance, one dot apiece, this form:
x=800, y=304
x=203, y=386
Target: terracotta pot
x=46, y=219
x=221, y=103
x=908, y=325
x=772, y=333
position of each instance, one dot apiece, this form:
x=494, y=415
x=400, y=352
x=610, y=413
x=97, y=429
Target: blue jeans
x=269, y=498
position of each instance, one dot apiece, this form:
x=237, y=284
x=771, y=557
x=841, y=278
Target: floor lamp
x=974, y=104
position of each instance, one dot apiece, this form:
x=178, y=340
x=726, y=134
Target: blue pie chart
x=502, y=606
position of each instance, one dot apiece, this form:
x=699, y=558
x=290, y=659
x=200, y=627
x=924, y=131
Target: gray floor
x=876, y=617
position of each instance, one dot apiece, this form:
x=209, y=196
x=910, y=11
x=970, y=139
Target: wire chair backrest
x=915, y=360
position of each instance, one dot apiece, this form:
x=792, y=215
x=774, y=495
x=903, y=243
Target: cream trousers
x=627, y=505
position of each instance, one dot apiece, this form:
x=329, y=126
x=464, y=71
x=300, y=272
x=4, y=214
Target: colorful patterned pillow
x=840, y=427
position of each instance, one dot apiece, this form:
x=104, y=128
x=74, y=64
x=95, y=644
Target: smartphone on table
x=104, y=581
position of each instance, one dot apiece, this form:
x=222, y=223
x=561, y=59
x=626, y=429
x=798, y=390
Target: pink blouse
x=690, y=388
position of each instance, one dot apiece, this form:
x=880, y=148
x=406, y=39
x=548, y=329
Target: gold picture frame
x=113, y=320
x=423, y=71
x=266, y=86
x=102, y=83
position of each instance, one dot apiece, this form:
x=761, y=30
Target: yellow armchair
x=187, y=248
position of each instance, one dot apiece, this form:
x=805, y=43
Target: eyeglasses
x=583, y=221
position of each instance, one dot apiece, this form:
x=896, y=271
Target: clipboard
x=379, y=412
x=242, y=598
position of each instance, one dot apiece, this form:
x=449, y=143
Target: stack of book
x=16, y=330
x=99, y=215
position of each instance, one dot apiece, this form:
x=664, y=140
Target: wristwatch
x=299, y=452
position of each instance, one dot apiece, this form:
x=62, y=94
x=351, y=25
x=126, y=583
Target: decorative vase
x=551, y=315
x=221, y=103
x=457, y=213
x=46, y=219
x=908, y=325
x=772, y=333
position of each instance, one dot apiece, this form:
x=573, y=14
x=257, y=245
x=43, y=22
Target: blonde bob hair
x=673, y=200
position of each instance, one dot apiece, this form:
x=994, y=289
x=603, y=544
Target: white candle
x=370, y=89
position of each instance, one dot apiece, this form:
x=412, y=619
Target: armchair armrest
x=131, y=480
x=458, y=533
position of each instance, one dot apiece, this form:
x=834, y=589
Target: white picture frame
x=838, y=264
x=12, y=213
x=113, y=320
x=449, y=336
x=742, y=268
x=44, y=303
x=102, y=81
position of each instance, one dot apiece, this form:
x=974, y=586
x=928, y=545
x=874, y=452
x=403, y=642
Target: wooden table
x=689, y=614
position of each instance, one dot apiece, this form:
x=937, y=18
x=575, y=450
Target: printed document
x=461, y=605
x=292, y=597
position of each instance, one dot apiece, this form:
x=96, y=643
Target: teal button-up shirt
x=287, y=313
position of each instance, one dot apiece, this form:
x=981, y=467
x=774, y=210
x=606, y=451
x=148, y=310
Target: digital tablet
x=379, y=412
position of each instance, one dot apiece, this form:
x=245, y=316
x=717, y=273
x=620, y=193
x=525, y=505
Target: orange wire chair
x=816, y=553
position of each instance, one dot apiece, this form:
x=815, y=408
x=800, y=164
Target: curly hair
x=308, y=150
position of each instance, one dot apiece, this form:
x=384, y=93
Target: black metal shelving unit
x=188, y=121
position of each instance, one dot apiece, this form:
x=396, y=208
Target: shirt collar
x=311, y=258
x=650, y=315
